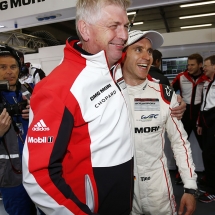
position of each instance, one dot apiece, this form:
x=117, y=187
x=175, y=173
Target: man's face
x=9, y=70
x=137, y=62
x=109, y=33
x=209, y=69
x=193, y=67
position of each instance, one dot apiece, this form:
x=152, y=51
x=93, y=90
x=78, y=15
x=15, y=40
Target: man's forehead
x=192, y=61
x=207, y=61
x=110, y=14
x=4, y=59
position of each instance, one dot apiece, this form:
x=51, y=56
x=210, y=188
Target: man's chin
x=12, y=84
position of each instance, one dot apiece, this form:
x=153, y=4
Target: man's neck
x=12, y=87
x=197, y=73
x=155, y=66
x=133, y=82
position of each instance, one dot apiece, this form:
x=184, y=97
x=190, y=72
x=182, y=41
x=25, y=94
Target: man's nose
x=146, y=55
x=8, y=70
x=123, y=33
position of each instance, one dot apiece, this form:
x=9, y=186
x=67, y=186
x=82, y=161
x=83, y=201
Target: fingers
x=177, y=112
x=188, y=203
x=181, y=208
x=25, y=112
x=5, y=121
x=4, y=117
x=199, y=130
x=25, y=116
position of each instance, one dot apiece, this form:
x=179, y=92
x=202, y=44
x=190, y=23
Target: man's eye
x=113, y=26
x=138, y=49
x=150, y=52
x=13, y=67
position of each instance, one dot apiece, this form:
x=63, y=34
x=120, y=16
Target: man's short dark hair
x=211, y=58
x=197, y=57
x=157, y=55
x=9, y=51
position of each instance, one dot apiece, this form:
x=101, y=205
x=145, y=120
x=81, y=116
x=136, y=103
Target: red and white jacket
x=190, y=91
x=78, y=155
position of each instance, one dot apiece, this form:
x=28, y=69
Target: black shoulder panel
x=167, y=92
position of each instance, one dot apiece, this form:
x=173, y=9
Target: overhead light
x=196, y=26
x=195, y=16
x=197, y=4
x=131, y=13
x=2, y=26
x=138, y=23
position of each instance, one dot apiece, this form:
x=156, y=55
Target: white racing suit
x=151, y=107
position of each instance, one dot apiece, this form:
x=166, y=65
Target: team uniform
x=78, y=156
x=191, y=92
x=207, y=121
x=151, y=107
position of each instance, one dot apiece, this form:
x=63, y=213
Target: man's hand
x=199, y=130
x=188, y=202
x=25, y=112
x=179, y=111
x=5, y=121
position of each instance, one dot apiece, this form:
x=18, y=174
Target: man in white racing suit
x=151, y=112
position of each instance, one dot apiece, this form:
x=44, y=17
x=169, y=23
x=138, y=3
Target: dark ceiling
x=162, y=19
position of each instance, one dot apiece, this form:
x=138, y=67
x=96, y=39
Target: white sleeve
x=36, y=79
x=181, y=148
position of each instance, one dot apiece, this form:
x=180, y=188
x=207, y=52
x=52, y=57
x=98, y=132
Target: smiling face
x=137, y=62
x=193, y=67
x=209, y=69
x=9, y=71
x=108, y=33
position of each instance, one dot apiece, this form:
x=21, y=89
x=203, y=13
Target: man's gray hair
x=90, y=10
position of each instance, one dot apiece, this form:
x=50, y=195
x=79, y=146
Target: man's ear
x=201, y=65
x=83, y=30
x=157, y=61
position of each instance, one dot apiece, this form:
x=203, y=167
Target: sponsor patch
x=121, y=83
x=40, y=126
x=146, y=104
x=102, y=90
x=145, y=178
x=49, y=139
x=146, y=129
x=149, y=117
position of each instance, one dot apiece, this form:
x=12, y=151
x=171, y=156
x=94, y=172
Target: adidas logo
x=40, y=126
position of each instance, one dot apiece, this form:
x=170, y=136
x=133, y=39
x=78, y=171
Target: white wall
x=48, y=57
x=188, y=42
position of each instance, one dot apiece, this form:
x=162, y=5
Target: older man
x=151, y=113
x=78, y=157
